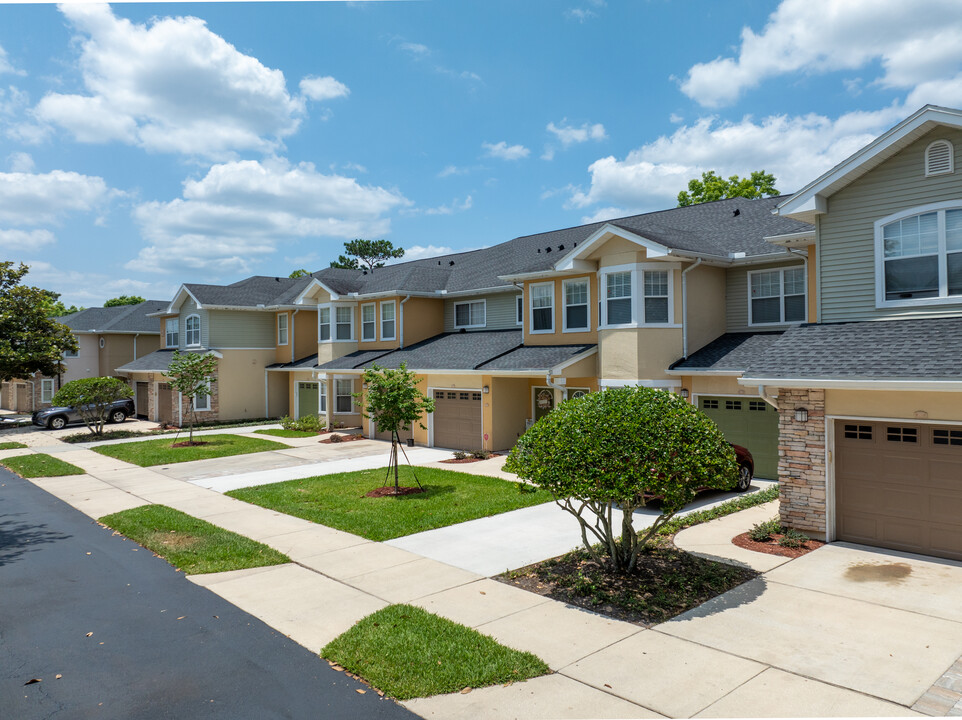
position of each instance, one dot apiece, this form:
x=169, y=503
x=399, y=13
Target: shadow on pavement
x=17, y=538
x=742, y=595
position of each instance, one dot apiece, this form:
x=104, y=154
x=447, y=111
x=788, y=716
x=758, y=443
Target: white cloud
x=240, y=211
x=25, y=240
x=323, y=88
x=418, y=252
x=20, y=162
x=91, y=289
x=421, y=53
x=452, y=170
x=416, y=49
x=455, y=206
x=581, y=14
x=503, y=151
x=6, y=67
x=172, y=86
x=570, y=135
x=795, y=149
x=912, y=46
x=43, y=199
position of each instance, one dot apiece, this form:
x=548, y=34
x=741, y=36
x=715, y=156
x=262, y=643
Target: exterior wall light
x=486, y=389
x=801, y=415
x=684, y=393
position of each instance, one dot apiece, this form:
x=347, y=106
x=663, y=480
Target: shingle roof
x=881, y=350
x=307, y=363
x=121, y=318
x=535, y=357
x=157, y=361
x=731, y=351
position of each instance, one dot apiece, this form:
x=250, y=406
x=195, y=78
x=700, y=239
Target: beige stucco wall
x=241, y=378
x=423, y=318
x=588, y=367
x=706, y=306
x=87, y=362
x=632, y=354
x=717, y=385
x=505, y=409
x=119, y=350
x=559, y=337
x=895, y=404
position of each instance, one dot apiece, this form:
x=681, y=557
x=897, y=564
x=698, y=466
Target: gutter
x=770, y=399
x=400, y=321
x=684, y=307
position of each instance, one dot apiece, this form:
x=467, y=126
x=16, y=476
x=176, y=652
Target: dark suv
x=55, y=418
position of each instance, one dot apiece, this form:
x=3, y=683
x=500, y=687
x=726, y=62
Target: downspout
x=521, y=288
x=684, y=307
x=400, y=320
x=135, y=345
x=266, y=397
x=290, y=334
x=804, y=257
x=770, y=399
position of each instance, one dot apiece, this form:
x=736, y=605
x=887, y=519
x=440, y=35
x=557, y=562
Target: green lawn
x=407, y=652
x=193, y=545
x=338, y=501
x=40, y=465
x=11, y=446
x=160, y=452
x=278, y=432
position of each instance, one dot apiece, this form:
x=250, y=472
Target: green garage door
x=750, y=423
x=306, y=399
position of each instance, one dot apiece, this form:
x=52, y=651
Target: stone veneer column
x=801, y=461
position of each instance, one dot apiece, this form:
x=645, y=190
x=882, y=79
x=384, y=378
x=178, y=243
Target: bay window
x=618, y=294
x=344, y=322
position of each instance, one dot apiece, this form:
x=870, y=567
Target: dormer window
x=939, y=158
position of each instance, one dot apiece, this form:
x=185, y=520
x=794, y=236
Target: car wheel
x=118, y=416
x=57, y=422
x=744, y=478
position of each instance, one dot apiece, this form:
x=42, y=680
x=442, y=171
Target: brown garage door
x=899, y=485
x=457, y=419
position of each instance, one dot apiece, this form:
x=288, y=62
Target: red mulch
x=344, y=438
x=388, y=491
x=771, y=547
x=456, y=461
x=188, y=443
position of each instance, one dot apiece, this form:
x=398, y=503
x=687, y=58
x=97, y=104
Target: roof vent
x=548, y=249
x=450, y=262
x=938, y=158
x=736, y=212
x=576, y=245
x=439, y=262
x=561, y=247
x=539, y=250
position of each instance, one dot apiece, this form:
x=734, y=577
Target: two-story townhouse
x=870, y=396
x=106, y=337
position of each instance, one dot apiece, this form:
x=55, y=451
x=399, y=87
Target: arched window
x=192, y=330
x=939, y=158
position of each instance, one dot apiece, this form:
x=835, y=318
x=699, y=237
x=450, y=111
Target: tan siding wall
x=506, y=408
x=737, y=296
x=847, y=235
x=239, y=329
x=706, y=305
x=117, y=350
x=423, y=318
x=500, y=311
x=638, y=354
x=305, y=333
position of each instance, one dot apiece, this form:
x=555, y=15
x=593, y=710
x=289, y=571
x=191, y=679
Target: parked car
x=746, y=467
x=55, y=418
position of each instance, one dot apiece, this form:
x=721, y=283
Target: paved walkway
x=827, y=634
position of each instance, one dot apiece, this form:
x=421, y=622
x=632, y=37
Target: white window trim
x=333, y=308
x=484, y=306
x=175, y=333
x=200, y=338
x=781, y=295
x=67, y=354
x=46, y=388
x=637, y=271
x=392, y=304
x=329, y=323
x=531, y=309
x=944, y=298
x=373, y=322
x=322, y=397
x=519, y=310
x=206, y=408
x=336, y=396
x=286, y=328
x=564, y=305
x=951, y=169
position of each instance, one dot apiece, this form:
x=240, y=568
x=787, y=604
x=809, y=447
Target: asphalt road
x=132, y=638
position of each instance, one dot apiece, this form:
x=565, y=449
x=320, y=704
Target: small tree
x=92, y=398
x=394, y=402
x=124, y=300
x=373, y=253
x=712, y=187
x=191, y=375
x=615, y=450
x=301, y=272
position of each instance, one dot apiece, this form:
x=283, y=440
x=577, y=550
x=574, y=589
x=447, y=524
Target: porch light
x=684, y=393
x=801, y=415
x=486, y=389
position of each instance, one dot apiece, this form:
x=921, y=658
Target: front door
x=543, y=402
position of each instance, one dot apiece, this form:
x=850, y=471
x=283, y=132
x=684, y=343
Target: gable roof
x=118, y=319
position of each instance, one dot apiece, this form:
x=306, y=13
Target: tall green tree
x=299, y=273
x=394, y=402
x=124, y=300
x=191, y=375
x=712, y=187
x=372, y=253
x=58, y=309
x=30, y=339
x=92, y=399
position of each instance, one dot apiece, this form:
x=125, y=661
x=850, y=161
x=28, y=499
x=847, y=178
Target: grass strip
x=161, y=452
x=408, y=652
x=726, y=508
x=87, y=436
x=40, y=465
x=11, y=446
x=279, y=432
x=193, y=545
x=339, y=500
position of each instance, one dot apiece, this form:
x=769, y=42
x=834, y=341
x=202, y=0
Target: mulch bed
x=388, y=491
x=771, y=546
x=456, y=461
x=344, y=438
x=188, y=443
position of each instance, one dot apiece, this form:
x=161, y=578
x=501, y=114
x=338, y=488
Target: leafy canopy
x=31, y=340
x=124, y=300
x=372, y=253
x=614, y=450
x=712, y=187
x=58, y=309
x=92, y=398
x=191, y=375
x=301, y=272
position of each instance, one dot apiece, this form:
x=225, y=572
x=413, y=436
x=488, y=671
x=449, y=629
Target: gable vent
x=938, y=158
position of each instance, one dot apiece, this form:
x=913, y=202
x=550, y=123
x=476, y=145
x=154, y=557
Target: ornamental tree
x=713, y=187
x=394, y=402
x=92, y=399
x=31, y=340
x=614, y=451
x=124, y=300
x=191, y=375
x=372, y=253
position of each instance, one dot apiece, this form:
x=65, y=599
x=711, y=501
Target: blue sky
x=147, y=145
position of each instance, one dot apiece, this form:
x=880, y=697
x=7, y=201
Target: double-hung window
x=282, y=329
x=46, y=391
x=469, y=314
x=388, y=325
x=324, y=323
x=542, y=308
x=576, y=305
x=618, y=297
x=656, y=296
x=172, y=336
x=192, y=331
x=368, y=323
x=920, y=257
x=202, y=399
x=777, y=296
x=344, y=322
x=343, y=400
x=322, y=397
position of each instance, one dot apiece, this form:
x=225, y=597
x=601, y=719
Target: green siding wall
x=190, y=308
x=500, y=311
x=240, y=329
x=736, y=296
x=846, y=233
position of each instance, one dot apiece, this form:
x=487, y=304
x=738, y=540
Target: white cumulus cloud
x=323, y=88
x=46, y=198
x=22, y=241
x=503, y=151
x=6, y=66
x=571, y=135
